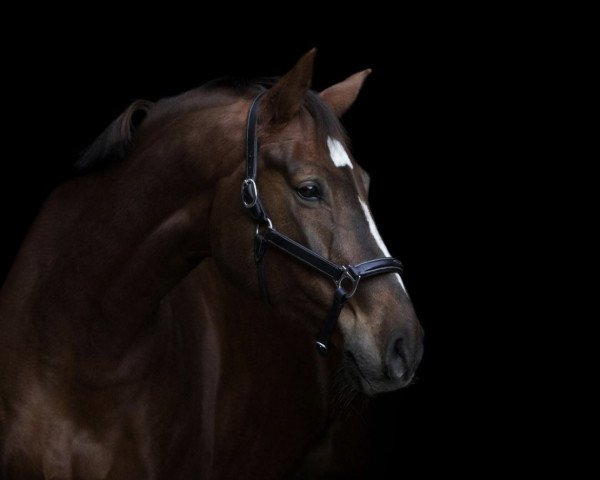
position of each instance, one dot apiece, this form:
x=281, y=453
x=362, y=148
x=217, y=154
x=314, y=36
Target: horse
x=135, y=342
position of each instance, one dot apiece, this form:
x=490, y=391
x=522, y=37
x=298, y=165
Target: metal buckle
x=269, y=225
x=249, y=189
x=353, y=278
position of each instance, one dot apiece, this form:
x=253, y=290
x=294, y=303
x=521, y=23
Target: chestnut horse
x=134, y=343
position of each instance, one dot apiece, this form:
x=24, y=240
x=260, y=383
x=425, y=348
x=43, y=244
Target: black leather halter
x=345, y=277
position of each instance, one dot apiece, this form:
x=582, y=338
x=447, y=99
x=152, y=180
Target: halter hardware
x=353, y=277
x=249, y=193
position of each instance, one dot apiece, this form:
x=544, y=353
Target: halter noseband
x=345, y=277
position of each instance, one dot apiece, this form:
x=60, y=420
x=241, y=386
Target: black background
x=430, y=127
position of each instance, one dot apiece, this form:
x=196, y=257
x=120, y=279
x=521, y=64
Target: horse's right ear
x=114, y=143
x=284, y=100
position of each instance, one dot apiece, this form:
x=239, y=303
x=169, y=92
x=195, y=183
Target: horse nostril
x=396, y=358
x=399, y=347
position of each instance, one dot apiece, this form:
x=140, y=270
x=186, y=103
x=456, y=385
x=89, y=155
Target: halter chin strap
x=345, y=277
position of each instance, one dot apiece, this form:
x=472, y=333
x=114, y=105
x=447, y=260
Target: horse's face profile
x=316, y=193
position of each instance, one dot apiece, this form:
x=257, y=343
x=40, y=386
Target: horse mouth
x=357, y=379
x=355, y=375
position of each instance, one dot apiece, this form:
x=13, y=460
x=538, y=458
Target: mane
x=117, y=141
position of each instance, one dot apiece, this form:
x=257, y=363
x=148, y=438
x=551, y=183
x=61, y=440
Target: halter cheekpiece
x=345, y=277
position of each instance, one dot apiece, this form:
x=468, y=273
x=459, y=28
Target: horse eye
x=309, y=191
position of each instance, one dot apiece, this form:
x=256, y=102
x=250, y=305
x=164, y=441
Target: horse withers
x=135, y=342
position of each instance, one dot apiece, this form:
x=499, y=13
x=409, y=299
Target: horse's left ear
x=341, y=96
x=284, y=100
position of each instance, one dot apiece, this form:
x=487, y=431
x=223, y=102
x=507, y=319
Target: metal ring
x=249, y=187
x=269, y=225
x=354, y=280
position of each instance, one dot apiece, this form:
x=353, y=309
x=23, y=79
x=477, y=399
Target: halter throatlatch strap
x=345, y=277
x=324, y=336
x=260, y=248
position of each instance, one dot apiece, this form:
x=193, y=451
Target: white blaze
x=338, y=153
x=377, y=237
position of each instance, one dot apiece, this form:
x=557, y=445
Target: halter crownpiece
x=345, y=277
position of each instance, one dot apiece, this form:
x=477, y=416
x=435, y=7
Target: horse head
x=316, y=193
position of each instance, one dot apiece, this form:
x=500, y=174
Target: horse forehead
x=301, y=141
x=296, y=144
x=310, y=153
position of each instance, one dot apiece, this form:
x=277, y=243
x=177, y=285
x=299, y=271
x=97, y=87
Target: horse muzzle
x=391, y=367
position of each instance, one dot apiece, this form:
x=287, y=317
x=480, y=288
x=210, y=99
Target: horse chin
x=368, y=385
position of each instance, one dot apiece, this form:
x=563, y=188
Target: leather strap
x=303, y=254
x=250, y=196
x=252, y=139
x=324, y=336
x=260, y=248
x=378, y=266
x=334, y=271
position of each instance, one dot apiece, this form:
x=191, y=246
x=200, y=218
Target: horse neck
x=106, y=248
x=226, y=345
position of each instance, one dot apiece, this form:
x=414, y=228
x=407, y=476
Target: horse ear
x=284, y=100
x=114, y=143
x=341, y=96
